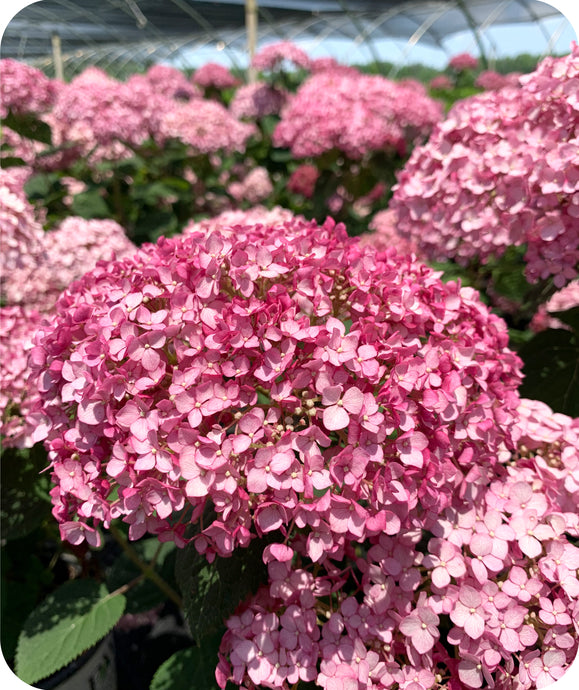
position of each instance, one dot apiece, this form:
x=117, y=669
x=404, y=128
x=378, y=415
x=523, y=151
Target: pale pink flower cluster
x=21, y=235
x=258, y=215
x=463, y=61
x=277, y=55
x=441, y=82
x=24, y=89
x=482, y=593
x=356, y=114
x=491, y=81
x=255, y=187
x=206, y=126
x=385, y=235
x=255, y=101
x=167, y=81
x=101, y=116
x=214, y=75
x=17, y=327
x=562, y=300
x=502, y=170
x=68, y=252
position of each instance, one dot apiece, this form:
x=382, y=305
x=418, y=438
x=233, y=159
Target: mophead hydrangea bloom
x=18, y=326
x=355, y=114
x=463, y=61
x=214, y=75
x=257, y=100
x=277, y=55
x=253, y=365
x=562, y=300
x=502, y=170
x=486, y=596
x=25, y=89
x=256, y=215
x=21, y=235
x=283, y=381
x=69, y=251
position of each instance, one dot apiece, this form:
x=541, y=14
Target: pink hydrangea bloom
x=206, y=126
x=17, y=329
x=355, y=114
x=255, y=187
x=491, y=81
x=214, y=75
x=303, y=180
x=25, y=89
x=275, y=55
x=21, y=235
x=68, y=252
x=255, y=101
x=385, y=235
x=441, y=82
x=463, y=61
x=502, y=170
x=345, y=402
x=562, y=300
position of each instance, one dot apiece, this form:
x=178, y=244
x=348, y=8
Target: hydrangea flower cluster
x=95, y=109
x=214, y=75
x=303, y=180
x=68, y=252
x=21, y=235
x=257, y=215
x=355, y=114
x=24, y=89
x=277, y=55
x=384, y=234
x=256, y=101
x=441, y=82
x=484, y=593
x=463, y=61
x=501, y=171
x=490, y=80
x=206, y=126
x=16, y=399
x=255, y=187
x=218, y=366
x=562, y=300
x=165, y=80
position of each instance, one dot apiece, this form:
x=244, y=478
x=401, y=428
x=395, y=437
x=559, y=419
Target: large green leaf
x=212, y=592
x=551, y=369
x=68, y=622
x=90, y=204
x=196, y=663
x=29, y=127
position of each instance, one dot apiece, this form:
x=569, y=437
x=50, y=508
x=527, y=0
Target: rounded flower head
x=214, y=75
x=502, y=170
x=355, y=114
x=25, y=89
x=250, y=365
x=276, y=54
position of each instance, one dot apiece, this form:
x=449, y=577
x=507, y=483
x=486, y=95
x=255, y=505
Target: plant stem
x=146, y=569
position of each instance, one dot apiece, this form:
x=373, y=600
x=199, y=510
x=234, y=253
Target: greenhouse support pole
x=57, y=57
x=251, y=29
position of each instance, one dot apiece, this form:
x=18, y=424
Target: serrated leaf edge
x=35, y=679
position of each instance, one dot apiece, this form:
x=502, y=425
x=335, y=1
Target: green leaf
x=145, y=595
x=551, y=369
x=212, y=592
x=196, y=662
x=25, y=502
x=90, y=204
x=68, y=622
x=29, y=127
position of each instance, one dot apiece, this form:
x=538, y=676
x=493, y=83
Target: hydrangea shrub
x=502, y=171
